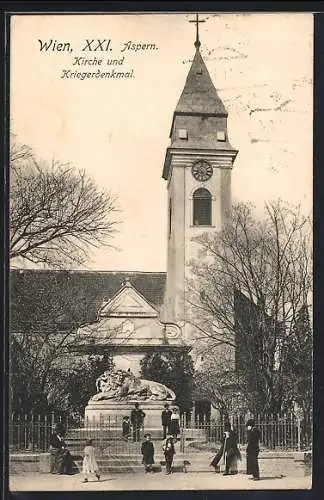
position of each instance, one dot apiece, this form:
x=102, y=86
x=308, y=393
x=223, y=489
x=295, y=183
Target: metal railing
x=32, y=433
x=29, y=432
x=287, y=433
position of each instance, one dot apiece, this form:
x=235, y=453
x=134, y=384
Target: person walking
x=166, y=420
x=169, y=452
x=89, y=464
x=252, y=450
x=174, y=423
x=137, y=420
x=229, y=452
x=148, y=453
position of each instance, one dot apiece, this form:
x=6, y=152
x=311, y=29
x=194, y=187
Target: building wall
x=181, y=247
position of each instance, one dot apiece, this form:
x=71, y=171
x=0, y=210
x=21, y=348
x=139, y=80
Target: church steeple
x=199, y=94
x=200, y=117
x=197, y=169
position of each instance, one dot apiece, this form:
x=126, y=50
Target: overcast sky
x=118, y=130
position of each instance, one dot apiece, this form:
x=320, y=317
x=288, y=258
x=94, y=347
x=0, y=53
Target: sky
x=118, y=130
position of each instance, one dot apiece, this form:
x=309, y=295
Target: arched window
x=202, y=204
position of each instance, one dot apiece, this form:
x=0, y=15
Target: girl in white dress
x=89, y=465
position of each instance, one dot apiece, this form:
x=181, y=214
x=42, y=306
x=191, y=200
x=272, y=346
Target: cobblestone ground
x=157, y=481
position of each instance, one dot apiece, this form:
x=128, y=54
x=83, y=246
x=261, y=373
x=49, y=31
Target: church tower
x=197, y=169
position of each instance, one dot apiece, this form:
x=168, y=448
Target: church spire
x=199, y=94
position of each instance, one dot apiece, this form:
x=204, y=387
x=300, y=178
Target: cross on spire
x=197, y=21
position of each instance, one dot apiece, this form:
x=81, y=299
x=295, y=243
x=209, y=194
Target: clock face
x=202, y=171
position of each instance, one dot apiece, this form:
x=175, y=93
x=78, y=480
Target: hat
x=250, y=423
x=59, y=427
x=166, y=405
x=227, y=426
x=147, y=435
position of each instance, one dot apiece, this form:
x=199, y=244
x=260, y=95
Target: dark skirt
x=174, y=427
x=61, y=461
x=148, y=459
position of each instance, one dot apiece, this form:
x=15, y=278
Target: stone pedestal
x=111, y=413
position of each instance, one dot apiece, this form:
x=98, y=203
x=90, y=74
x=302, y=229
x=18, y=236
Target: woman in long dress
x=174, y=428
x=89, y=465
x=229, y=452
x=61, y=459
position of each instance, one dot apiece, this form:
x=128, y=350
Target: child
x=126, y=428
x=169, y=452
x=89, y=465
x=148, y=453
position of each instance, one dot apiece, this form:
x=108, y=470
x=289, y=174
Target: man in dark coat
x=166, y=419
x=61, y=459
x=148, y=453
x=252, y=450
x=137, y=420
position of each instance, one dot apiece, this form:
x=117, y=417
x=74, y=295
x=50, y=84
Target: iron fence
x=29, y=432
x=32, y=433
x=287, y=433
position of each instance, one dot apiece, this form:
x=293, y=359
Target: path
x=157, y=481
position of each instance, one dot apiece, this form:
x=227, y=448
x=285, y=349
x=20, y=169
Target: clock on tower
x=201, y=170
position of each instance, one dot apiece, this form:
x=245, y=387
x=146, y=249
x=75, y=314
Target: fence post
x=32, y=431
x=182, y=440
x=298, y=433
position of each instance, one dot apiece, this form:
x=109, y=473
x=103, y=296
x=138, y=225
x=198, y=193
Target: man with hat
x=137, y=420
x=166, y=419
x=252, y=450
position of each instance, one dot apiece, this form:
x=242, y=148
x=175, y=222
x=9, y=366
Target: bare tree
x=216, y=381
x=250, y=282
x=56, y=211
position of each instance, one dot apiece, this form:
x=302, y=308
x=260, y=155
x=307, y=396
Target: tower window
x=202, y=204
x=183, y=133
x=221, y=136
x=170, y=216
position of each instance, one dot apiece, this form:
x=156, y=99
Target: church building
x=134, y=312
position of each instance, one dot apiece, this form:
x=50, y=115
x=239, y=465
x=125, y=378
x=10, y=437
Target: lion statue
x=121, y=385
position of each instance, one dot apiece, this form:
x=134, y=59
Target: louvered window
x=202, y=204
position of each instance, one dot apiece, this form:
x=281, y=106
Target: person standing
x=89, y=464
x=174, y=423
x=252, y=450
x=126, y=427
x=169, y=452
x=229, y=451
x=166, y=419
x=148, y=453
x=137, y=420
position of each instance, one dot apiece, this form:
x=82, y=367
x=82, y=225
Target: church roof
x=199, y=94
x=74, y=293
